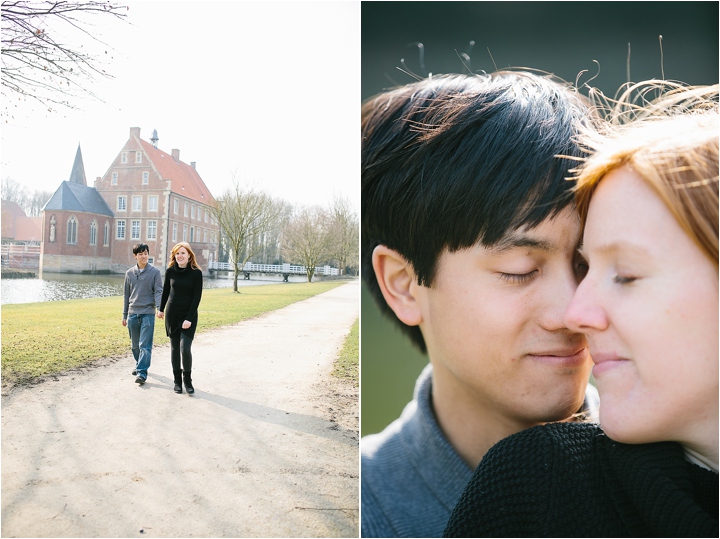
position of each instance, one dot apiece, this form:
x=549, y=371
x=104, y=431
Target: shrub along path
x=259, y=450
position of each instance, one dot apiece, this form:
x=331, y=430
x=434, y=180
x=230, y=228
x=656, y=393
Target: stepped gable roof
x=75, y=197
x=77, y=175
x=186, y=181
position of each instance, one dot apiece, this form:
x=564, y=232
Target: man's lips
x=562, y=358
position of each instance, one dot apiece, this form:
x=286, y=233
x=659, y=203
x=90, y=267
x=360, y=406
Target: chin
x=623, y=429
x=562, y=409
x=562, y=399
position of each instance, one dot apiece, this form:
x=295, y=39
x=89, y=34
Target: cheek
x=671, y=335
x=475, y=320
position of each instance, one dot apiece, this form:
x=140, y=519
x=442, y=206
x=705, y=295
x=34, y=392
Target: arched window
x=106, y=234
x=93, y=232
x=72, y=231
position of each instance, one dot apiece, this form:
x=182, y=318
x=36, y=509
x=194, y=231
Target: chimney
x=176, y=155
x=192, y=164
x=135, y=132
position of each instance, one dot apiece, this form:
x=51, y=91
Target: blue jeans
x=142, y=329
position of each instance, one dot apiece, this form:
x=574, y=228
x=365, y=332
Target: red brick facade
x=155, y=198
x=70, y=246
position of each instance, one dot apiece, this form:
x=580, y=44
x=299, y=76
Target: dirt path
x=267, y=446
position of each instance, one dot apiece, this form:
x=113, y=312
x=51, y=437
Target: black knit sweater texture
x=182, y=292
x=571, y=480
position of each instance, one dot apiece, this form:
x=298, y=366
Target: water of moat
x=61, y=286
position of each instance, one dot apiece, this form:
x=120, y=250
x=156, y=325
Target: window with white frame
x=120, y=231
x=206, y=215
x=192, y=234
x=192, y=211
x=152, y=203
x=184, y=233
x=186, y=209
x=146, y=178
x=114, y=179
x=138, y=157
x=135, y=230
x=122, y=203
x=204, y=235
x=152, y=230
x=93, y=232
x=123, y=157
x=175, y=205
x=137, y=202
x=174, y=234
x=72, y=230
x=106, y=234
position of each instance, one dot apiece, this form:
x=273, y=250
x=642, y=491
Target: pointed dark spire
x=78, y=171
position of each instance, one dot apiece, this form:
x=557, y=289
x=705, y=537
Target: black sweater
x=181, y=296
x=571, y=480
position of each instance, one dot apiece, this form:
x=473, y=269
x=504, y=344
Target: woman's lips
x=605, y=362
x=562, y=358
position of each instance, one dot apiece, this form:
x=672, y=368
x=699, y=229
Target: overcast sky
x=269, y=90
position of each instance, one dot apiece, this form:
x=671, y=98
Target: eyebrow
x=518, y=240
x=612, y=247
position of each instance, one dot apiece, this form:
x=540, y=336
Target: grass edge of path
x=39, y=343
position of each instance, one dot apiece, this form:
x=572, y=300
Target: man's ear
x=397, y=282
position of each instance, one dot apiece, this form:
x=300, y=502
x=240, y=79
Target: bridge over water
x=274, y=269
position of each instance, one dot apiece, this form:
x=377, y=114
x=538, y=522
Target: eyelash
x=624, y=280
x=516, y=278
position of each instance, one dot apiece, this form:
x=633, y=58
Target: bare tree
x=306, y=238
x=268, y=244
x=36, y=202
x=345, y=233
x=31, y=203
x=38, y=59
x=14, y=191
x=245, y=214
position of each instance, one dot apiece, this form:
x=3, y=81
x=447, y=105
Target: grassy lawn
x=346, y=365
x=45, y=338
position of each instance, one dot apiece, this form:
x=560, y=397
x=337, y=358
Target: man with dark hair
x=143, y=293
x=469, y=243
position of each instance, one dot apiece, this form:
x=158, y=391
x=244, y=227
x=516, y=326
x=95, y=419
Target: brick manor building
x=145, y=196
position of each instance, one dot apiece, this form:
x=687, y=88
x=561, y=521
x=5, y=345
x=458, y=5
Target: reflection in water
x=57, y=286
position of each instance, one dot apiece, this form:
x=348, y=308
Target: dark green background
x=558, y=37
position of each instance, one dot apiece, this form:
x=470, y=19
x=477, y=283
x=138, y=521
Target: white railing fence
x=20, y=256
x=274, y=268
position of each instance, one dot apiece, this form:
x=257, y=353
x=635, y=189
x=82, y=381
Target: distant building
x=145, y=196
x=21, y=237
x=18, y=227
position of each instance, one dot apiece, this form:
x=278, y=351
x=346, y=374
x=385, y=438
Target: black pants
x=180, y=346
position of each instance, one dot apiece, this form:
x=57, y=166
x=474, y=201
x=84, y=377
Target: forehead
x=624, y=210
x=557, y=234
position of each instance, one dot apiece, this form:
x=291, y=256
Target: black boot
x=178, y=381
x=188, y=383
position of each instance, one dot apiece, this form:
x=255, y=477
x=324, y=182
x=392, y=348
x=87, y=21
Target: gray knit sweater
x=143, y=290
x=411, y=475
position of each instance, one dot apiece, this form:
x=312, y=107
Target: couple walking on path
x=263, y=449
x=180, y=296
